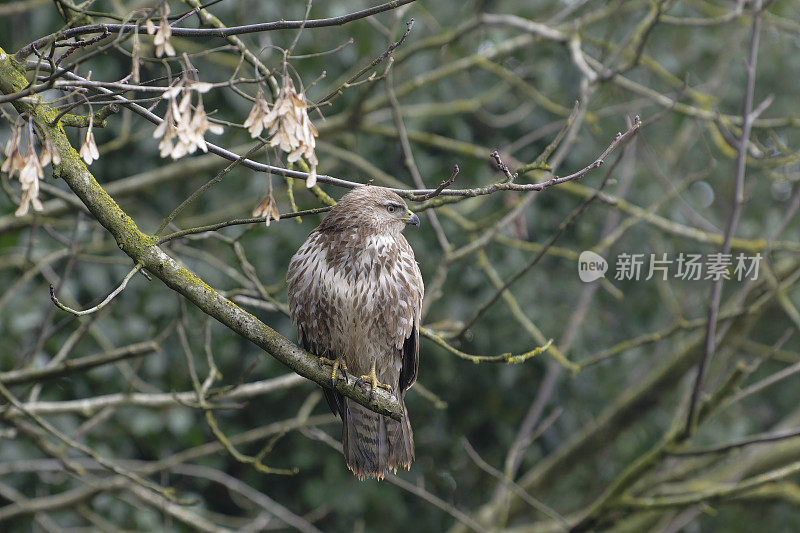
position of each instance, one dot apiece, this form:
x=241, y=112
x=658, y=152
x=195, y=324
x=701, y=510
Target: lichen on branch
x=143, y=248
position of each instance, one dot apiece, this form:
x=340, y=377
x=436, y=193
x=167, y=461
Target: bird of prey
x=355, y=293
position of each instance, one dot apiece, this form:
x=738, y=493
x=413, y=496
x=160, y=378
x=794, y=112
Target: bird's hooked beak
x=410, y=218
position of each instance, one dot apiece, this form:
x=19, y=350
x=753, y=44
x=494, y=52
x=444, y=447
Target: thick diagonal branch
x=144, y=249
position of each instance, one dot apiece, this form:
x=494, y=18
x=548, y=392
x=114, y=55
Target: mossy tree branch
x=143, y=249
x=98, y=118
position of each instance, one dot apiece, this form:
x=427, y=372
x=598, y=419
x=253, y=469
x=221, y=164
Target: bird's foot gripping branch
x=143, y=249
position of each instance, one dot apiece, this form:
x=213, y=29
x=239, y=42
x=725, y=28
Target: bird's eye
x=391, y=208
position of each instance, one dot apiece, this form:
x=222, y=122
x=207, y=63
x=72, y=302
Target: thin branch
x=239, y=222
x=566, y=224
x=519, y=491
x=502, y=358
x=436, y=501
x=82, y=44
x=416, y=490
x=749, y=441
x=15, y=377
x=374, y=63
x=213, y=181
x=102, y=304
x=144, y=483
x=710, y=494
x=737, y=201
x=159, y=400
x=71, y=497
x=211, y=32
x=764, y=383
x=180, y=512
x=529, y=434
x=436, y=192
x=144, y=249
x=51, y=503
x=410, y=163
x=234, y=484
x=465, y=193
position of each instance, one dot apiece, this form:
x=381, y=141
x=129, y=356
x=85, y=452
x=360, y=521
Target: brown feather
x=355, y=291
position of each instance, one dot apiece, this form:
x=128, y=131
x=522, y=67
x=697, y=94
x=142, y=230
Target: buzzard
x=355, y=293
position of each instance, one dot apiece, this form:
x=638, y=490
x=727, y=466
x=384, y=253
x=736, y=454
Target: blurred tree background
x=662, y=404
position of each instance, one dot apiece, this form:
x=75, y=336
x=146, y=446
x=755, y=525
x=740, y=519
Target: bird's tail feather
x=374, y=444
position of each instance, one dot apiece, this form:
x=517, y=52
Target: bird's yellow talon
x=372, y=380
x=337, y=364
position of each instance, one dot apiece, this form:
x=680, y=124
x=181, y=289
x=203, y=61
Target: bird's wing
x=410, y=351
x=410, y=364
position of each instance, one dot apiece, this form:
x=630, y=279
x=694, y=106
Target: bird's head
x=376, y=209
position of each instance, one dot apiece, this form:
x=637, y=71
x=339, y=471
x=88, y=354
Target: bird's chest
x=355, y=280
x=359, y=297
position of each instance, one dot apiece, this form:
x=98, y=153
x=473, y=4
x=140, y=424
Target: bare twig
x=375, y=62
x=464, y=193
x=577, y=212
x=737, y=201
x=159, y=400
x=239, y=222
x=502, y=358
x=519, y=491
x=216, y=179
x=741, y=443
x=436, y=192
x=106, y=463
x=212, y=32
x=102, y=304
x=417, y=490
x=15, y=377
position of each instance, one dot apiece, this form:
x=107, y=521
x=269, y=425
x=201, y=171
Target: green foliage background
x=475, y=111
